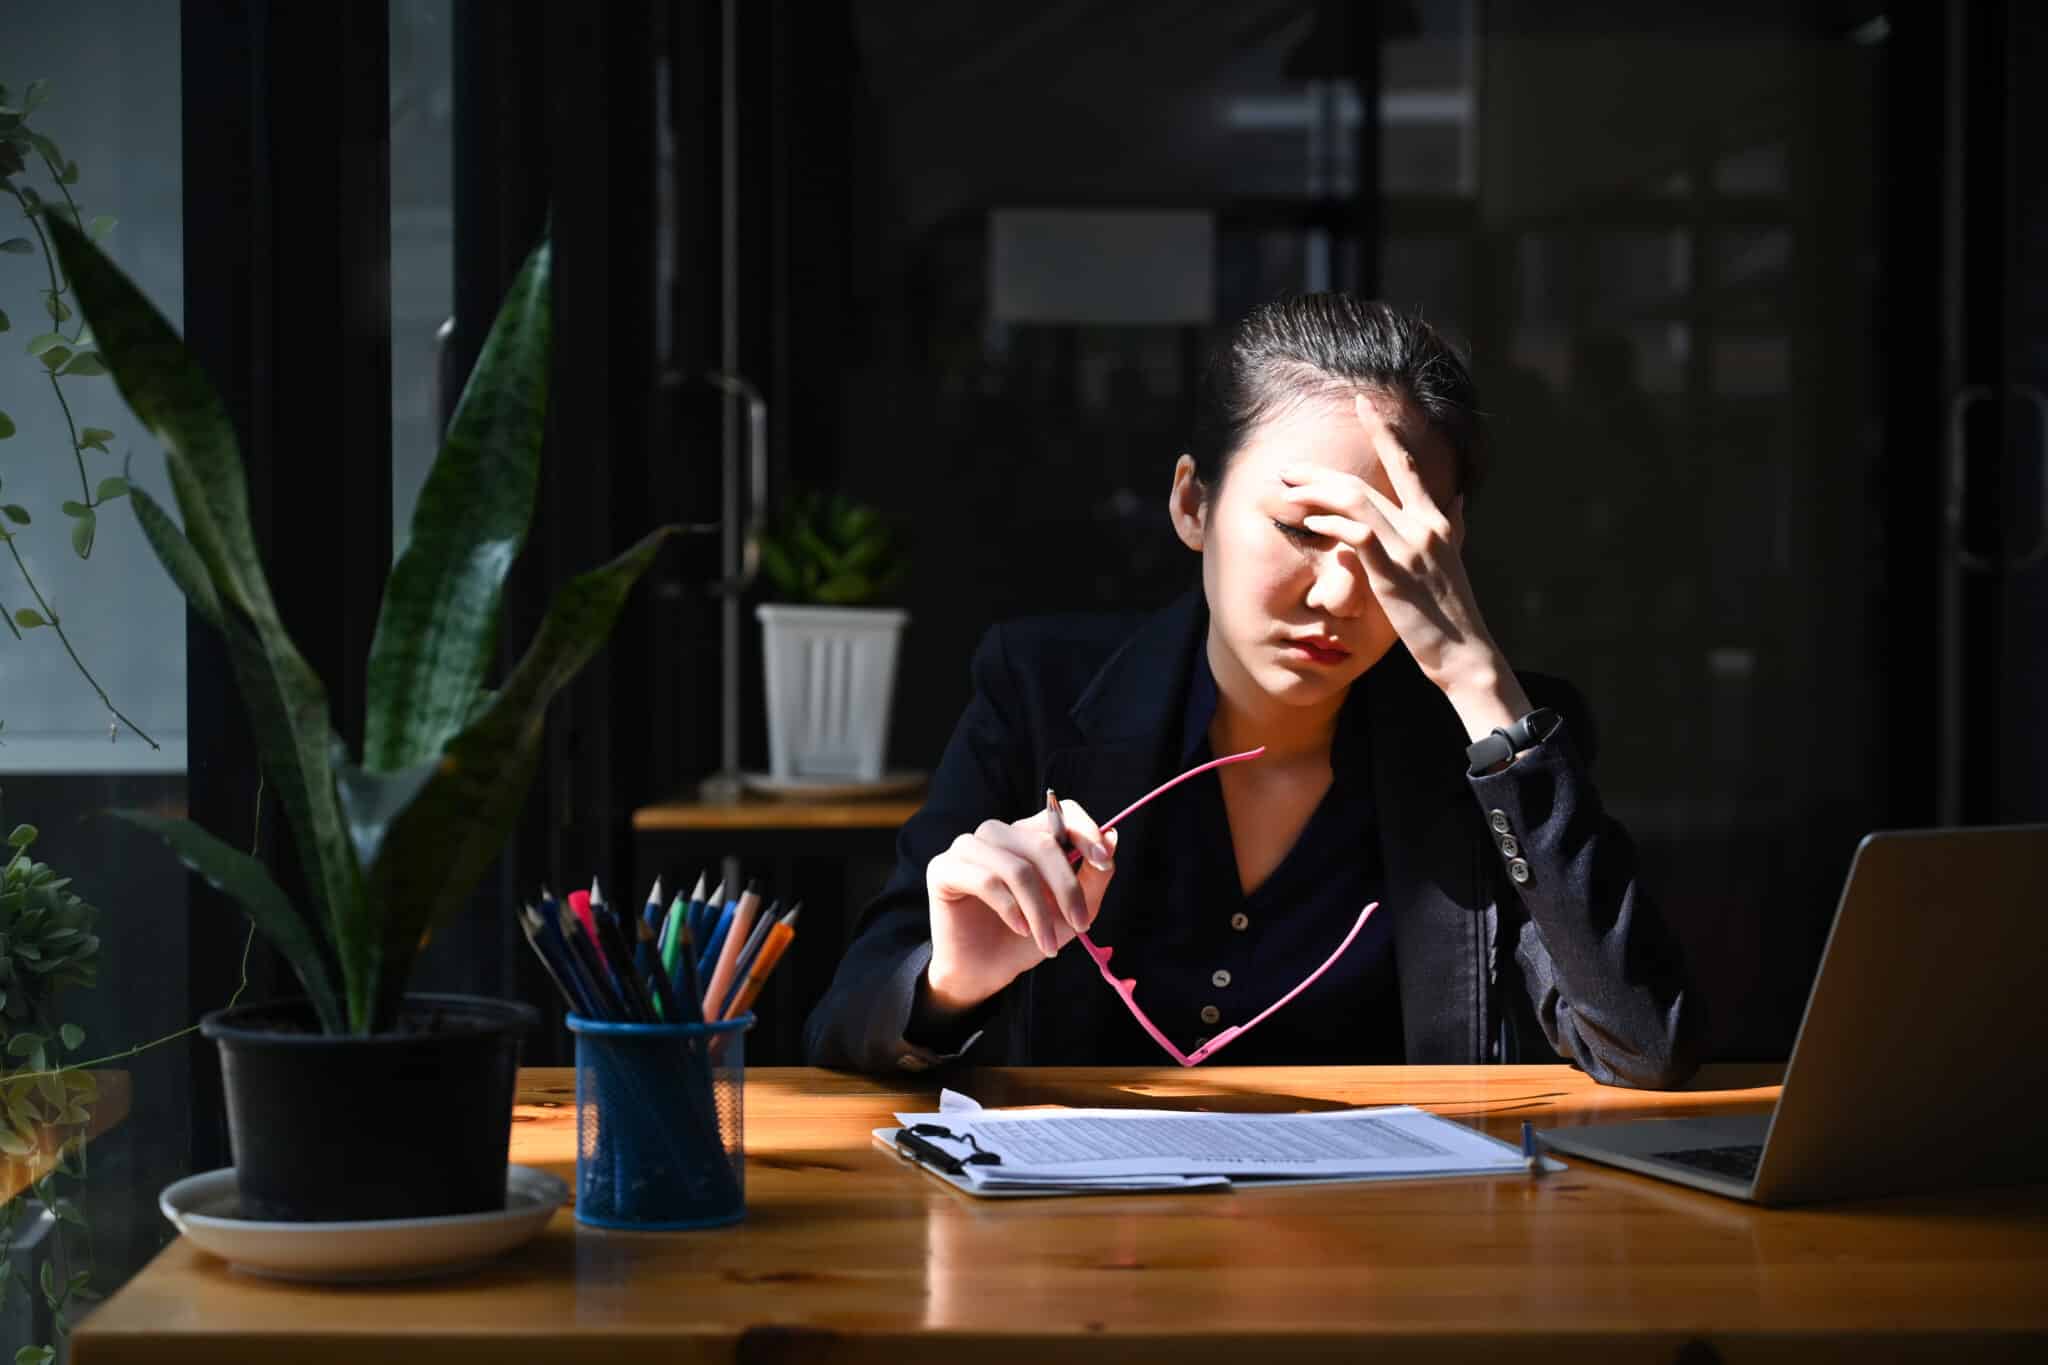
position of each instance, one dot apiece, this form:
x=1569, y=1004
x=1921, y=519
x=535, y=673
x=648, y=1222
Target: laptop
x=1922, y=1059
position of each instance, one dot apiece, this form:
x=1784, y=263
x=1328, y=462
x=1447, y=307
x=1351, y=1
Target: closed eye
x=1297, y=534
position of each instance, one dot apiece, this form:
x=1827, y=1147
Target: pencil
x=620, y=957
x=729, y=951
x=579, y=947
x=683, y=978
x=565, y=982
x=748, y=950
x=772, y=949
x=647, y=965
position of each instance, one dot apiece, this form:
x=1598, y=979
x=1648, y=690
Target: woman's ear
x=1187, y=504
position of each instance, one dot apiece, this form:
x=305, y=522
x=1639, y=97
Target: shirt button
x=1240, y=921
x=1499, y=820
x=1508, y=847
x=1201, y=1042
x=1519, y=870
x=1210, y=1014
x=1219, y=980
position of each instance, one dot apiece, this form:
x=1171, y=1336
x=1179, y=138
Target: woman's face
x=1294, y=612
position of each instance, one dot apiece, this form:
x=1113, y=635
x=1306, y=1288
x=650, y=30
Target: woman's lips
x=1319, y=651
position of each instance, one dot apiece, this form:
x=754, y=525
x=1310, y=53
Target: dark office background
x=1756, y=294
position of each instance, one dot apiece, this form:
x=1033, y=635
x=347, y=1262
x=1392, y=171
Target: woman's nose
x=1340, y=588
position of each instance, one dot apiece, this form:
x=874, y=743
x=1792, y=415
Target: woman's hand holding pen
x=1005, y=898
x=1410, y=547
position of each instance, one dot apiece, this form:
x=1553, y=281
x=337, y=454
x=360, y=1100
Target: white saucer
x=203, y=1208
x=900, y=782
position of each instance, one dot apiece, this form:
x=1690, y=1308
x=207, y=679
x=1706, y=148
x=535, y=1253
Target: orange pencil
x=771, y=952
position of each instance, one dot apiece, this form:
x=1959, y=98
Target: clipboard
x=954, y=1174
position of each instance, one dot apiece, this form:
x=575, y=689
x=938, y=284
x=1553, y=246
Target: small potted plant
x=362, y=1101
x=830, y=658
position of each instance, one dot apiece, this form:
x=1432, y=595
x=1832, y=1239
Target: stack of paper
x=1078, y=1151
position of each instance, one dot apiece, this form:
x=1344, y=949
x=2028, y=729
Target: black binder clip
x=911, y=1142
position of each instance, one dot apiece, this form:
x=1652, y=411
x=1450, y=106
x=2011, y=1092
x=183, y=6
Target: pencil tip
x=753, y=886
x=654, y=896
x=697, y=891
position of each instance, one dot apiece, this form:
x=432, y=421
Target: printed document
x=1131, y=1149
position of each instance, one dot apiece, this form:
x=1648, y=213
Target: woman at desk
x=1405, y=763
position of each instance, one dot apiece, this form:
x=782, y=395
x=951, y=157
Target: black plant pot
x=414, y=1123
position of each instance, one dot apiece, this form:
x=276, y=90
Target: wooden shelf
x=753, y=815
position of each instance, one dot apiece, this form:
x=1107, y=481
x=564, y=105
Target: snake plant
x=394, y=840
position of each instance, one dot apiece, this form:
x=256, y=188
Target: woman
x=1324, y=490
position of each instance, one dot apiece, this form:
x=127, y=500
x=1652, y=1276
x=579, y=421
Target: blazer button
x=1220, y=979
x=1499, y=820
x=1508, y=847
x=1519, y=870
x=1210, y=1014
x=1240, y=921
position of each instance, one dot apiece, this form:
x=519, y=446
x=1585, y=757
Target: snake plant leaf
x=436, y=630
x=177, y=556
x=286, y=702
x=242, y=877
x=436, y=851
x=164, y=386
x=372, y=800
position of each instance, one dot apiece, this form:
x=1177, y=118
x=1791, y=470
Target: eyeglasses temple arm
x=1210, y=1048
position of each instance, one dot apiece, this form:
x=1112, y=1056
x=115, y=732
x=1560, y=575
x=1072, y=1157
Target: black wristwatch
x=1504, y=744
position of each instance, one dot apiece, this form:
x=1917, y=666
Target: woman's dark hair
x=1308, y=345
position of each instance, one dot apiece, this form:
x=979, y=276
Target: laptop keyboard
x=1738, y=1161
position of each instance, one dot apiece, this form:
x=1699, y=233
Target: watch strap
x=1506, y=741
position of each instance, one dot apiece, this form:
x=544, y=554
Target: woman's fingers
x=962, y=874
x=1085, y=835
x=1095, y=880
x=1403, y=473
x=1036, y=871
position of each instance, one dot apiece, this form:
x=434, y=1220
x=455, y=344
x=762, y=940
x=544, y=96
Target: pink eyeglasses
x=1126, y=987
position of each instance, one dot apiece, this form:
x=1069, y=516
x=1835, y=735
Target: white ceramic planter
x=831, y=674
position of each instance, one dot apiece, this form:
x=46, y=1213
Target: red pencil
x=579, y=901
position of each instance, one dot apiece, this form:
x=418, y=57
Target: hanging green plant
x=47, y=945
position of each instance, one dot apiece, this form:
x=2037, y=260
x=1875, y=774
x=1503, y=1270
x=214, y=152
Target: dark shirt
x=1290, y=923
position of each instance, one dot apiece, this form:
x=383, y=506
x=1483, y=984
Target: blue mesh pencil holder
x=660, y=1135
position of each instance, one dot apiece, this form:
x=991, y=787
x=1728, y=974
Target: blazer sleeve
x=859, y=1023
x=1604, y=971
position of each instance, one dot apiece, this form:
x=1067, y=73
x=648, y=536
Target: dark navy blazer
x=1575, y=961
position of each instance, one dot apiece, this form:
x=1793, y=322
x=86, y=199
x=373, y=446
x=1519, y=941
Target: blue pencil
x=704, y=914
x=652, y=914
x=559, y=971
x=682, y=979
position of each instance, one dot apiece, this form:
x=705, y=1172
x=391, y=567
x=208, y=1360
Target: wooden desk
x=848, y=1255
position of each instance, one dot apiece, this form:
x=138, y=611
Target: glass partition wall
x=92, y=669
x=1010, y=231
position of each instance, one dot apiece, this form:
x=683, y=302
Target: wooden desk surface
x=708, y=815
x=848, y=1254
